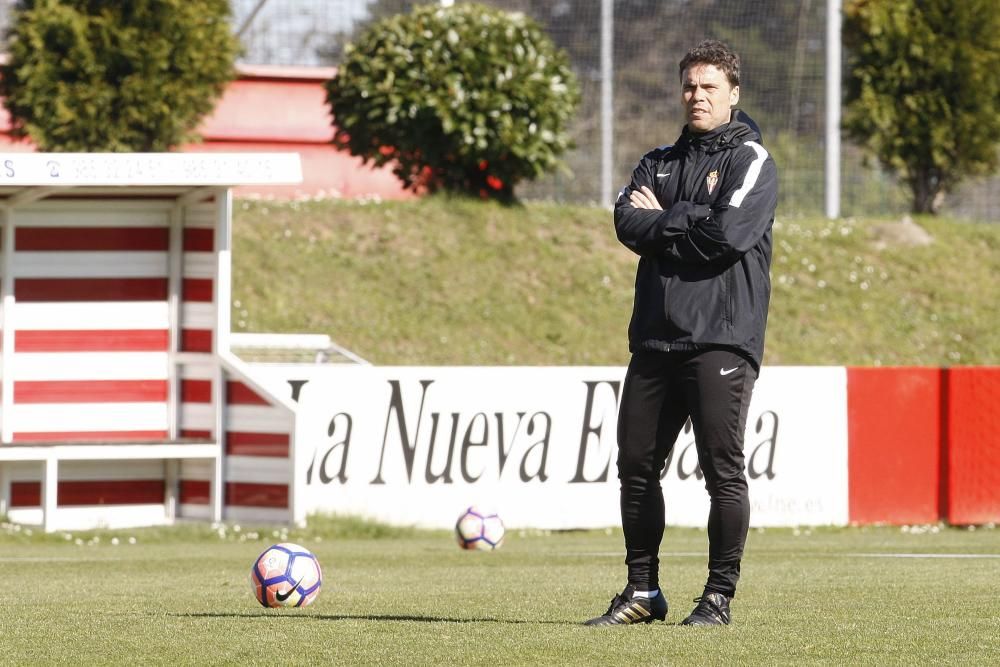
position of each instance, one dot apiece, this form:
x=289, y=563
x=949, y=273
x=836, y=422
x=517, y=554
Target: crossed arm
x=691, y=233
x=644, y=198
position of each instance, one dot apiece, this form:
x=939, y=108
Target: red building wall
x=279, y=109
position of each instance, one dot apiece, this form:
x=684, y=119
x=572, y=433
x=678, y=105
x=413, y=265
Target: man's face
x=707, y=96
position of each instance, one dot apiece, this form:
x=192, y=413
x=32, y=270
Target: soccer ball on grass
x=286, y=575
x=479, y=529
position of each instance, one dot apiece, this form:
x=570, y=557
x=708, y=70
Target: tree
x=464, y=99
x=923, y=90
x=111, y=76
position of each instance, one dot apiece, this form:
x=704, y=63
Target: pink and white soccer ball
x=479, y=529
x=286, y=575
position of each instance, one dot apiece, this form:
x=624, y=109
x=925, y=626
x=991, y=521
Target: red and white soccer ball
x=286, y=575
x=480, y=529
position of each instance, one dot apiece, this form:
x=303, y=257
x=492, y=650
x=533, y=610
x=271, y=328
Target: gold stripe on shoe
x=632, y=613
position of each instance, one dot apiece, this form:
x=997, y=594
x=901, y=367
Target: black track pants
x=663, y=389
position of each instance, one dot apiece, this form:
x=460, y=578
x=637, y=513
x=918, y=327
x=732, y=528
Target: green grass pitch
x=407, y=597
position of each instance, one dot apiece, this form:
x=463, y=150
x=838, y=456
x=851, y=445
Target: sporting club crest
x=711, y=180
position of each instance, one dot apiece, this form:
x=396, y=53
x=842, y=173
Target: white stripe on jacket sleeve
x=753, y=172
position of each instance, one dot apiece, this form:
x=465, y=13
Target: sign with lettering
x=94, y=169
x=412, y=445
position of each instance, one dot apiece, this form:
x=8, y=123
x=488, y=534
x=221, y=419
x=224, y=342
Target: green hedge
x=105, y=75
x=463, y=99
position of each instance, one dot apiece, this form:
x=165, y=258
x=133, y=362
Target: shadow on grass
x=363, y=617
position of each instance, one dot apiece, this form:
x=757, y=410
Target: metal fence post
x=833, y=101
x=607, y=122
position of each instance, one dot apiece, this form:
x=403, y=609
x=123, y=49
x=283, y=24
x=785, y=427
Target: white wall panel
x=258, y=419
x=196, y=469
x=197, y=315
x=45, y=417
x=89, y=365
x=199, y=265
x=94, y=214
x=257, y=469
x=199, y=416
x=56, y=315
x=111, y=470
x=235, y=513
x=131, y=264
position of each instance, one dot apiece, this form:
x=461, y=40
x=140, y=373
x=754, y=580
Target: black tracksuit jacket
x=702, y=280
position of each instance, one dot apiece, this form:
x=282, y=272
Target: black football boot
x=626, y=609
x=712, y=609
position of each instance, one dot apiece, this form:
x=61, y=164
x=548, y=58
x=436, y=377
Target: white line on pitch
x=702, y=554
x=54, y=559
x=936, y=555
x=667, y=554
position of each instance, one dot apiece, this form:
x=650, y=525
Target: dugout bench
x=120, y=401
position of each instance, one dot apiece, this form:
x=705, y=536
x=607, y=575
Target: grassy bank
x=442, y=281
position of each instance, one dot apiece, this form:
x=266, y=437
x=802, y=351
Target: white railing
x=264, y=347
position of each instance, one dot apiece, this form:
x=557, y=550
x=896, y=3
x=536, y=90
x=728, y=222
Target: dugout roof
x=32, y=176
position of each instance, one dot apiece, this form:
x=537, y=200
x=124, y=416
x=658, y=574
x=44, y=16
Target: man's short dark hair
x=714, y=52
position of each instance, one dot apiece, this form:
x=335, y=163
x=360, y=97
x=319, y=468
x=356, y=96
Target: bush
x=464, y=99
x=105, y=75
x=923, y=90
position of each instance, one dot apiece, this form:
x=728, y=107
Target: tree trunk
x=928, y=193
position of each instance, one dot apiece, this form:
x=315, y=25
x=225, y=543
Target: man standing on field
x=698, y=214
